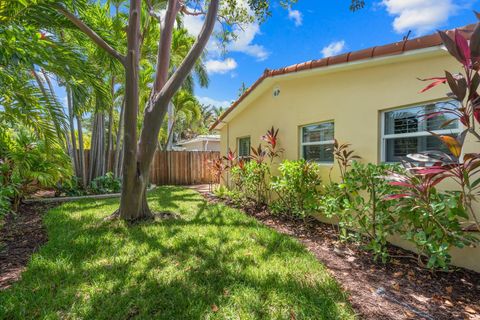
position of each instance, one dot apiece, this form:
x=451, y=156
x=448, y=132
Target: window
x=244, y=147
x=317, y=142
x=406, y=131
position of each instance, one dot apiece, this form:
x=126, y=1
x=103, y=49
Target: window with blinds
x=407, y=130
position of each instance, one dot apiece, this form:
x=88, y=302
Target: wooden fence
x=177, y=167
x=182, y=167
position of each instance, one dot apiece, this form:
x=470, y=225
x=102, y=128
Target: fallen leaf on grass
x=396, y=286
x=449, y=290
x=448, y=303
x=470, y=310
x=398, y=274
x=410, y=315
x=214, y=308
x=292, y=315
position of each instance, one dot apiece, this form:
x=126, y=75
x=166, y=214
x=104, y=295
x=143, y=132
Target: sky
x=313, y=29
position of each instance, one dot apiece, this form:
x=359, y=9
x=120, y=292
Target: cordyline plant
x=271, y=138
x=344, y=157
x=250, y=178
x=460, y=167
x=271, y=150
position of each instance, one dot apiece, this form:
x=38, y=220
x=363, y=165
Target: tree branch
x=91, y=34
x=176, y=80
x=152, y=13
x=155, y=112
x=165, y=44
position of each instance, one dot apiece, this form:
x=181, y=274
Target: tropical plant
x=365, y=207
x=251, y=181
x=297, y=188
x=271, y=138
x=457, y=166
x=29, y=163
x=344, y=157
x=428, y=218
x=105, y=184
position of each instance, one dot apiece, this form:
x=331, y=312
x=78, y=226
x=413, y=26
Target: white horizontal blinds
x=317, y=142
x=408, y=130
x=244, y=147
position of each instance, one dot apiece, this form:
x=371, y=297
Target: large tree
x=139, y=148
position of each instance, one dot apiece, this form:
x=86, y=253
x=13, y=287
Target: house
x=200, y=143
x=369, y=98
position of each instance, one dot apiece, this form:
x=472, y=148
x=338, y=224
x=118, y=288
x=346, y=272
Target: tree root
x=114, y=216
x=152, y=216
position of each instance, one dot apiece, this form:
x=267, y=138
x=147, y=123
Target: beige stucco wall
x=353, y=99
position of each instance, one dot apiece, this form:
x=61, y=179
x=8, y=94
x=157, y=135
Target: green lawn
x=213, y=263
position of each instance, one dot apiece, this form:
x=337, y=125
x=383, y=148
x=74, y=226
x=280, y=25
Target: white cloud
x=244, y=42
x=420, y=16
x=221, y=66
x=213, y=102
x=333, y=48
x=193, y=24
x=296, y=16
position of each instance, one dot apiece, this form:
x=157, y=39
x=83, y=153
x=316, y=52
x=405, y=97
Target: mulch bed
x=399, y=289
x=21, y=235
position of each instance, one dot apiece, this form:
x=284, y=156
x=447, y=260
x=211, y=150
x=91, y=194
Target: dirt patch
x=399, y=289
x=21, y=235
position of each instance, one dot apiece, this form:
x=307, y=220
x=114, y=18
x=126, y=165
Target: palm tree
x=187, y=111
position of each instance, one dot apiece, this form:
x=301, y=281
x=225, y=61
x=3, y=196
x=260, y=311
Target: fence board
x=177, y=167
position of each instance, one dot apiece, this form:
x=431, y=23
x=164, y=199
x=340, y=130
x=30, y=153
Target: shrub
x=105, y=184
x=366, y=208
x=250, y=180
x=296, y=188
x=29, y=163
x=430, y=219
x=222, y=192
x=71, y=188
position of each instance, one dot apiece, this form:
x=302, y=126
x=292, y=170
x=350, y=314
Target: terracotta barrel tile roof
x=395, y=48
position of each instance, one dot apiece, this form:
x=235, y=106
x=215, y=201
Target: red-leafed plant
x=217, y=168
x=458, y=166
x=271, y=138
x=230, y=158
x=344, y=157
x=259, y=154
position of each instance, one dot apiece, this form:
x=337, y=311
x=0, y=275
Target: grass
x=213, y=263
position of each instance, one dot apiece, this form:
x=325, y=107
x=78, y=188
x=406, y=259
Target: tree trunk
x=171, y=125
x=108, y=158
x=97, y=148
x=137, y=158
x=72, y=132
x=81, y=152
x=133, y=203
x=118, y=147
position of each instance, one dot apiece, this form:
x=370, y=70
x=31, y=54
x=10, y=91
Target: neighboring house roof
x=200, y=138
x=391, y=49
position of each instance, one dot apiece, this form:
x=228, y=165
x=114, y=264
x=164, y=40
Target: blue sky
x=315, y=28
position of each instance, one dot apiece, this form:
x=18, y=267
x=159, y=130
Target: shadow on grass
x=213, y=263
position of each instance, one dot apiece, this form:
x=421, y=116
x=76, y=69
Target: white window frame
x=238, y=147
x=384, y=137
x=302, y=144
